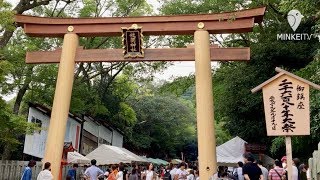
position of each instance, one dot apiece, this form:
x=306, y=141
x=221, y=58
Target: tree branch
x=124, y=64
x=23, y=6
x=55, y=7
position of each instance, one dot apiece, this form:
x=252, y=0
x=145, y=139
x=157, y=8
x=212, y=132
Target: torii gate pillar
x=204, y=100
x=61, y=103
x=242, y=21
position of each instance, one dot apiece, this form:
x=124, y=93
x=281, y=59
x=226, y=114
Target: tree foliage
x=240, y=111
x=166, y=126
x=97, y=90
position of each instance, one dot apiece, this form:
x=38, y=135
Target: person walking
x=167, y=175
x=295, y=171
x=251, y=171
x=284, y=162
x=238, y=174
x=114, y=172
x=277, y=173
x=133, y=175
x=263, y=169
x=149, y=174
x=45, y=174
x=303, y=168
x=93, y=172
x=72, y=173
x=181, y=173
x=191, y=175
x=197, y=175
x=27, y=172
x=120, y=175
x=173, y=170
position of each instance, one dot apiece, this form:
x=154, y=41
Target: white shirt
x=173, y=172
x=308, y=174
x=119, y=175
x=240, y=174
x=149, y=175
x=265, y=172
x=190, y=177
x=93, y=172
x=182, y=174
x=295, y=173
x=45, y=175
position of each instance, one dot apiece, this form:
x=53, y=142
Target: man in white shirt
x=173, y=171
x=93, y=171
x=295, y=172
x=264, y=170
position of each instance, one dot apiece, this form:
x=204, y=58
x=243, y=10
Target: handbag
x=283, y=177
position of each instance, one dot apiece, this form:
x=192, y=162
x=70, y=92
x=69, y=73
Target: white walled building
x=85, y=133
x=35, y=143
x=95, y=134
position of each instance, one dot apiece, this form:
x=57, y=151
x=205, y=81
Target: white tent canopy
x=106, y=154
x=77, y=158
x=230, y=153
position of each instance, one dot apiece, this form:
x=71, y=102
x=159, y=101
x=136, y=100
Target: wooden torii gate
x=198, y=25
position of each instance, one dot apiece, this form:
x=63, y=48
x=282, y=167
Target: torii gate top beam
x=229, y=22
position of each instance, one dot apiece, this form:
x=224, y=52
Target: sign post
x=286, y=107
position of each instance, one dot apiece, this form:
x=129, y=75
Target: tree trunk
x=20, y=95
x=5, y=38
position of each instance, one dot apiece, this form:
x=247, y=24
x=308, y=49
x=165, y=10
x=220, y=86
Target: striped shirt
x=273, y=175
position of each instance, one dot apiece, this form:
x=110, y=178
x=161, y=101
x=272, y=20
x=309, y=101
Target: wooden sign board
x=132, y=41
x=286, y=106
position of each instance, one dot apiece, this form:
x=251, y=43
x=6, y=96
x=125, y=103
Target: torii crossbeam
x=200, y=25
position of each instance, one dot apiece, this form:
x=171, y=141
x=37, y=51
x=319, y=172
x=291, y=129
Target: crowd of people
x=253, y=169
x=137, y=172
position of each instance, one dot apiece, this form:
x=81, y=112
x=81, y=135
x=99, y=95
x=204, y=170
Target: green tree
x=184, y=89
x=93, y=81
x=240, y=111
x=11, y=126
x=166, y=125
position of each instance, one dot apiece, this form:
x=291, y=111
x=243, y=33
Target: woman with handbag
x=277, y=173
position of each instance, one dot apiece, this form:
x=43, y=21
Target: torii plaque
x=200, y=25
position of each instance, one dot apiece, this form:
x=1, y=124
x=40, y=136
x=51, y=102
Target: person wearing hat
x=295, y=172
x=284, y=162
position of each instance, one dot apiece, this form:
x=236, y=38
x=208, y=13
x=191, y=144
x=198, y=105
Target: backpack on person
x=167, y=175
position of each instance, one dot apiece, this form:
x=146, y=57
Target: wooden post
x=61, y=104
x=204, y=98
x=289, y=156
